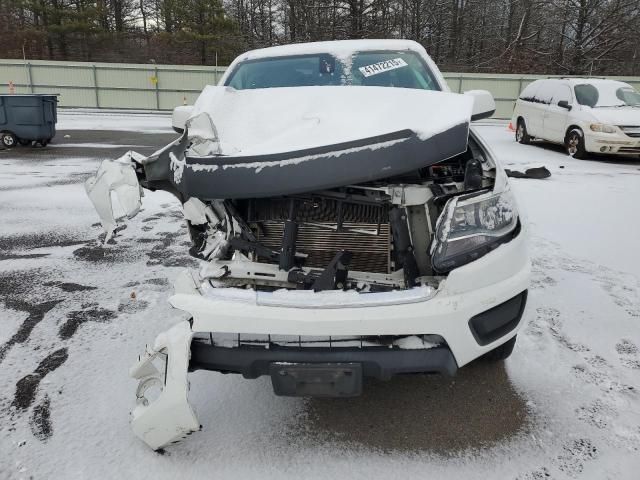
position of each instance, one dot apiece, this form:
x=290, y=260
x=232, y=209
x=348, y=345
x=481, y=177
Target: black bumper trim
x=498, y=321
x=377, y=362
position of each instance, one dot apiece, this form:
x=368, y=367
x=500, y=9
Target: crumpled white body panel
x=169, y=417
x=116, y=176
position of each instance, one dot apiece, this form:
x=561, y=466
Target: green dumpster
x=27, y=118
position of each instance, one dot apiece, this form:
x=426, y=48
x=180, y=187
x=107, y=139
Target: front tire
x=502, y=352
x=574, y=144
x=9, y=140
x=521, y=133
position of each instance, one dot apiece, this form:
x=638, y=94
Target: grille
x=629, y=149
x=370, y=252
x=631, y=131
x=235, y=340
x=317, y=210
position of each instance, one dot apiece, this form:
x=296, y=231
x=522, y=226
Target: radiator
x=371, y=253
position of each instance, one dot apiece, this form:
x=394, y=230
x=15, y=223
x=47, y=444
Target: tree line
x=572, y=37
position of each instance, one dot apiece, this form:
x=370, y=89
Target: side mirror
x=180, y=116
x=564, y=104
x=483, y=104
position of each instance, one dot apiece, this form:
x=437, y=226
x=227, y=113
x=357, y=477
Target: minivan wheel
x=521, y=133
x=502, y=352
x=574, y=143
x=9, y=140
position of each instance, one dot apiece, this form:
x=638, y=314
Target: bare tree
x=530, y=36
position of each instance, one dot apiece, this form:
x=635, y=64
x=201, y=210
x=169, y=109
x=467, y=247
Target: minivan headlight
x=471, y=226
x=602, y=127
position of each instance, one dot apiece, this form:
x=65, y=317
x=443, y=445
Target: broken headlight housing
x=471, y=226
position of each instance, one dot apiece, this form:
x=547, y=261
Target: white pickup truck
x=350, y=224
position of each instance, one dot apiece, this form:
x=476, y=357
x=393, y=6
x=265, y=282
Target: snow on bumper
x=617, y=143
x=468, y=291
x=169, y=417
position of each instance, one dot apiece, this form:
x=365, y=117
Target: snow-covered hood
x=274, y=120
x=283, y=141
x=617, y=115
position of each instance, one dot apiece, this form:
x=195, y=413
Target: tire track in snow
x=598, y=414
x=628, y=353
x=36, y=313
x=89, y=312
x=601, y=413
x=623, y=288
x=551, y=317
x=31, y=289
x=592, y=369
x=31, y=402
x=27, y=386
x=40, y=421
x=575, y=454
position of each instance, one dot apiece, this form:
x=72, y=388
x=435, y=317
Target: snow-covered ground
x=74, y=316
x=135, y=120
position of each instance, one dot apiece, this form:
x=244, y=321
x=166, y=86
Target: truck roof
x=338, y=48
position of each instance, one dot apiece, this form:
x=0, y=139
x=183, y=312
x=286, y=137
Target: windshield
x=607, y=94
x=382, y=69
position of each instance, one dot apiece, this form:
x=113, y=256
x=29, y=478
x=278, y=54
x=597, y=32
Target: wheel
x=574, y=143
x=24, y=142
x=9, y=140
x=521, y=133
x=502, y=352
x=44, y=142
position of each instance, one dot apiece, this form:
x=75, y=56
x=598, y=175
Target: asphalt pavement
x=477, y=408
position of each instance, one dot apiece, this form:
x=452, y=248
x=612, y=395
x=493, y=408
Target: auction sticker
x=381, y=67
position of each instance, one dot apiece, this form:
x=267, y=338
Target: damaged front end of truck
x=330, y=256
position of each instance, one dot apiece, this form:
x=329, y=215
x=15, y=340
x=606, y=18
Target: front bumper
x=254, y=358
x=468, y=291
x=611, y=143
x=486, y=287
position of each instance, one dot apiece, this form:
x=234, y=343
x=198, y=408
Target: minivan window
x=546, y=91
x=607, y=94
x=586, y=94
x=529, y=92
x=629, y=96
x=562, y=93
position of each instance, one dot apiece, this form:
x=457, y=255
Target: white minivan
x=583, y=114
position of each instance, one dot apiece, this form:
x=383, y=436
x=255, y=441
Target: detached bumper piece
x=162, y=414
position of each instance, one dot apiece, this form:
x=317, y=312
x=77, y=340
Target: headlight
x=601, y=127
x=471, y=226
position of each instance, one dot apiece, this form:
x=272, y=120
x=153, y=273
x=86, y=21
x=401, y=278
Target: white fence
x=162, y=87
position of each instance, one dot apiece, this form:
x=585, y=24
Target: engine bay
x=367, y=237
